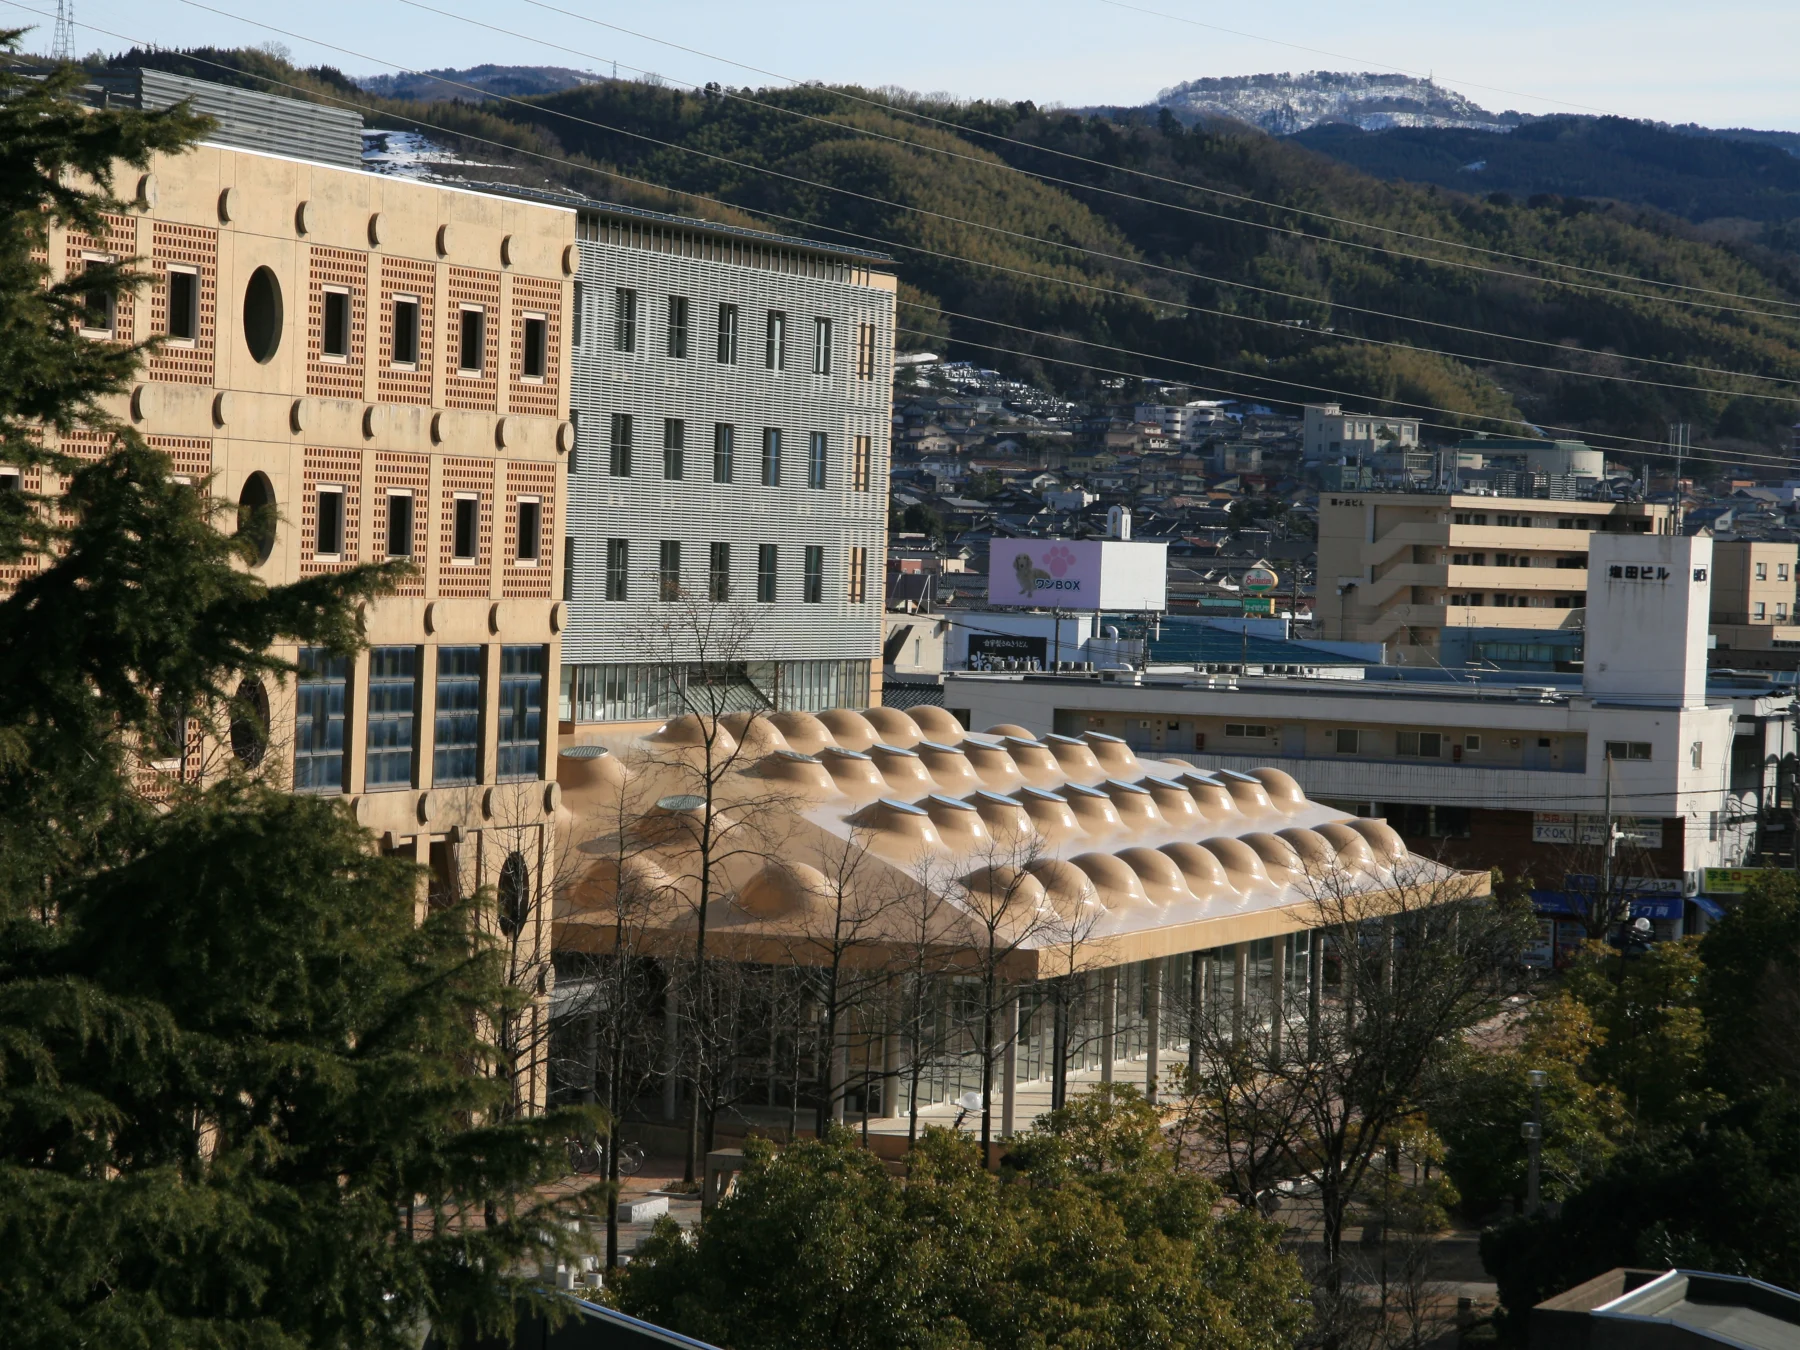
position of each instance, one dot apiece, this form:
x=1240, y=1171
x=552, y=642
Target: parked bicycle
x=589, y=1157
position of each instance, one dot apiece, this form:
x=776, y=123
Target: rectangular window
x=813, y=586
x=321, y=695
x=821, y=346
x=399, y=525
x=765, y=574
x=534, y=360
x=859, y=464
x=624, y=320
x=406, y=331
x=1419, y=744
x=775, y=341
x=674, y=443
x=620, y=461
x=816, y=451
x=1246, y=731
x=718, y=572
x=1762, y=571
x=1348, y=742
x=472, y=352
x=728, y=335
x=865, y=351
x=1781, y=609
x=1624, y=750
x=1781, y=571
x=771, y=457
x=466, y=547
x=668, y=570
x=393, y=716
x=678, y=327
x=529, y=541
x=456, y=739
x=334, y=340
x=618, y=567
x=724, y=434
x=578, y=318
x=184, y=305
x=97, y=307
x=1759, y=610
x=857, y=589
x=521, y=732
x=568, y=576
x=1472, y=744
x=329, y=541
x=574, y=441
x=1697, y=754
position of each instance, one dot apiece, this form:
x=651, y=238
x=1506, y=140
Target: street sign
x=1730, y=880
x=1260, y=579
x=1259, y=604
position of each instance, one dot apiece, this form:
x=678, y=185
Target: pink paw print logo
x=1059, y=560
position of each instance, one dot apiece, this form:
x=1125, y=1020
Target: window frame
x=413, y=329
x=821, y=345
x=465, y=312
x=625, y=319
x=718, y=572
x=862, y=457
x=775, y=340
x=410, y=514
x=520, y=557
x=728, y=335
x=191, y=309
x=768, y=560
x=334, y=300
x=618, y=458
x=724, y=451
x=818, y=459
x=668, y=571
x=674, y=449
x=313, y=686
x=771, y=457
x=618, y=570
x=375, y=754
x=678, y=344
x=441, y=713
x=337, y=492
x=111, y=328
x=538, y=320
x=812, y=584
x=856, y=575
x=459, y=501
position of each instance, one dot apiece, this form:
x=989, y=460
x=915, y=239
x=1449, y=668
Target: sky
x=1725, y=63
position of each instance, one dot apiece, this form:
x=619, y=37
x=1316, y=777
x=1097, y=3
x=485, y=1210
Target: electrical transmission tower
x=62, y=45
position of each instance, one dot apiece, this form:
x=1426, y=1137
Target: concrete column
x=1009, y=1065
x=1315, y=979
x=1197, y=967
x=1277, y=995
x=1240, y=989
x=1109, y=1020
x=671, y=1095
x=1153, y=1025
x=890, y=1075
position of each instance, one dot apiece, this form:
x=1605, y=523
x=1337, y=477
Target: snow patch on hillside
x=1286, y=103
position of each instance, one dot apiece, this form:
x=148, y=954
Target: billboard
x=1078, y=574
x=986, y=650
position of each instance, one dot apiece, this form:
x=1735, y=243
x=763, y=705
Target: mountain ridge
x=1285, y=103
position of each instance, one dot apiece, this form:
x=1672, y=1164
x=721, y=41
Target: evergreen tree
x=242, y=1093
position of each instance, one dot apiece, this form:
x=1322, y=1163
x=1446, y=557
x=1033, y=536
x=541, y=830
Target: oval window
x=250, y=723
x=262, y=315
x=514, y=897
x=256, y=515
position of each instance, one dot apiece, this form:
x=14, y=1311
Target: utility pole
x=1678, y=444
x=1534, y=1136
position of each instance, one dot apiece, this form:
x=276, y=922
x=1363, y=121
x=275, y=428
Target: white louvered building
x=732, y=393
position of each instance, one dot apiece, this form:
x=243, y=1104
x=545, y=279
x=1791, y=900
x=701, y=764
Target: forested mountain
x=1145, y=265
x=1686, y=172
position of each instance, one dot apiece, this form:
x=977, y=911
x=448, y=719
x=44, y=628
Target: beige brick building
x=381, y=362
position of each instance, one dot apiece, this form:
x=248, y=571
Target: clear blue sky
x=1724, y=63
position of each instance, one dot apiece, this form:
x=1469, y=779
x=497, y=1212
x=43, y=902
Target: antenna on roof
x=62, y=43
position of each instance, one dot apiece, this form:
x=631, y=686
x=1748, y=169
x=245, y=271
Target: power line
x=627, y=178
x=1221, y=193
x=924, y=211
x=1749, y=460
x=1309, y=300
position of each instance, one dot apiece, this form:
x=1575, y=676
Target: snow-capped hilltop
x=1286, y=103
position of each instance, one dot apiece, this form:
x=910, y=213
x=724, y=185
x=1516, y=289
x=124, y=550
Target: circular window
x=262, y=315
x=256, y=515
x=250, y=723
x=514, y=894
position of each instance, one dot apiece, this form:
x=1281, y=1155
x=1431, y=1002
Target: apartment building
x=1755, y=617
x=1445, y=579
x=1491, y=769
x=371, y=369
x=733, y=395
x=1330, y=434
